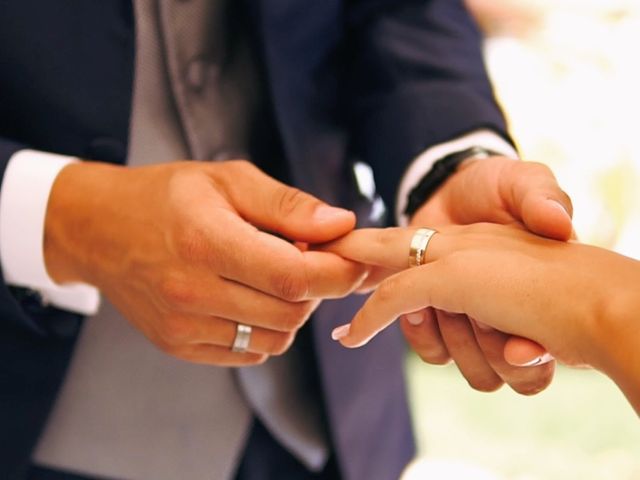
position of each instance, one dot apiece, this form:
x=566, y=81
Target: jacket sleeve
x=416, y=79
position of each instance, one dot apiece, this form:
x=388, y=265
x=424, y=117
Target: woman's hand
x=568, y=297
x=183, y=250
x=503, y=191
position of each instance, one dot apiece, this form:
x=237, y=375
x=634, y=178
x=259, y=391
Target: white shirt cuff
x=422, y=164
x=24, y=196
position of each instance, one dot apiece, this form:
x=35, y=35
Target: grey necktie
x=128, y=411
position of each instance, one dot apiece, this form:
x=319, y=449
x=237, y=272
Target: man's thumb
x=273, y=206
x=548, y=217
x=532, y=195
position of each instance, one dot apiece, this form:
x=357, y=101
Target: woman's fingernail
x=340, y=332
x=325, y=213
x=546, y=358
x=415, y=318
x=532, y=363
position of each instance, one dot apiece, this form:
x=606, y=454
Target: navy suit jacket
x=378, y=80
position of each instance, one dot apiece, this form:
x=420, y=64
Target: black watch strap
x=440, y=171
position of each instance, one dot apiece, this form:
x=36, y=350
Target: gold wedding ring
x=243, y=336
x=419, y=243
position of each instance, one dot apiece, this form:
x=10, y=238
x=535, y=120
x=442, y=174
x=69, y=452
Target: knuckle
x=166, y=346
x=175, y=330
x=258, y=359
x=176, y=293
x=387, y=291
x=296, y=316
x=227, y=173
x=191, y=244
x=281, y=343
x=241, y=165
x=194, y=246
x=179, y=182
x=241, y=168
x=288, y=200
x=427, y=347
x=291, y=285
x=230, y=168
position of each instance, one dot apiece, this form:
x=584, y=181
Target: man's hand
x=503, y=191
x=183, y=251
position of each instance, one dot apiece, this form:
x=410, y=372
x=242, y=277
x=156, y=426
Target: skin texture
x=575, y=300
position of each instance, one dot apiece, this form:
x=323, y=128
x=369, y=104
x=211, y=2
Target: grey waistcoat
x=126, y=410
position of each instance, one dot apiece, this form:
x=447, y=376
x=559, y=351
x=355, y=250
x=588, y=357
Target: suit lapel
x=299, y=42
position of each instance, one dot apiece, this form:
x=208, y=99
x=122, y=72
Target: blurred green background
x=567, y=73
x=581, y=427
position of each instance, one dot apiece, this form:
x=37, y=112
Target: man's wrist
x=420, y=167
x=439, y=173
x=73, y=210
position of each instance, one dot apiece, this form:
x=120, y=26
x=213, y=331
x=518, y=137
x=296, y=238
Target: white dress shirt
x=24, y=196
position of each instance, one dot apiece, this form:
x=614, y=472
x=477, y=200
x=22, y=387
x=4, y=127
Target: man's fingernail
x=558, y=206
x=340, y=332
x=546, y=358
x=325, y=213
x=415, y=318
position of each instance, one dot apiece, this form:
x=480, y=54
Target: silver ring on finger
x=243, y=337
x=419, y=243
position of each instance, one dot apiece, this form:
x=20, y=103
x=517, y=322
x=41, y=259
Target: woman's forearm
x=616, y=337
x=625, y=371
x=621, y=359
